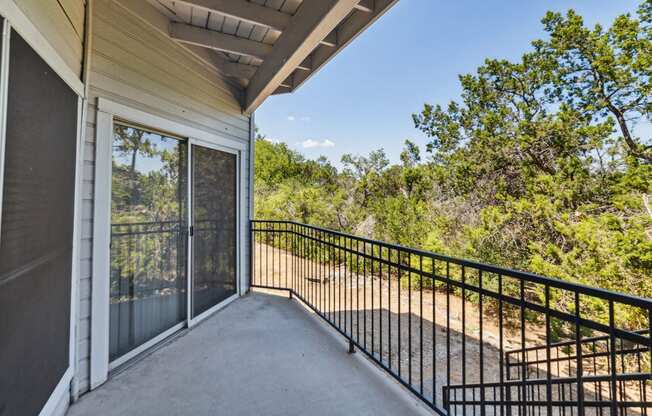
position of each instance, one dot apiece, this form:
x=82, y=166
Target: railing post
x=351, y=346
x=252, y=246
x=508, y=391
x=290, y=291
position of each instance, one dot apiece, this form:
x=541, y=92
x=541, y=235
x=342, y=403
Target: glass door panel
x=148, y=237
x=214, y=219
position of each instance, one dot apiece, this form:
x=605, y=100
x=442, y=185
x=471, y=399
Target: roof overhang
x=265, y=46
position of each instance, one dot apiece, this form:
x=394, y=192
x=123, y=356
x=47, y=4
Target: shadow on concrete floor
x=262, y=355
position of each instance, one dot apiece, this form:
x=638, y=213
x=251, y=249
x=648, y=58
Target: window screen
x=36, y=233
x=214, y=205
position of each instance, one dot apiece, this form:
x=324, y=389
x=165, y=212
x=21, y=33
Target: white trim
x=4, y=87
x=146, y=119
x=99, y=359
x=209, y=312
x=189, y=296
x=147, y=345
x=76, y=239
x=250, y=214
x=21, y=24
x=242, y=226
x=107, y=111
x=61, y=391
x=252, y=155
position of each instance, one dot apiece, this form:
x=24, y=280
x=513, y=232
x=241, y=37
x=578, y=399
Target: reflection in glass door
x=214, y=219
x=148, y=237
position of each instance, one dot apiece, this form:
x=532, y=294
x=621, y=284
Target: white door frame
x=15, y=19
x=108, y=111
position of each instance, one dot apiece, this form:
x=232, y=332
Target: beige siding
x=137, y=66
x=62, y=24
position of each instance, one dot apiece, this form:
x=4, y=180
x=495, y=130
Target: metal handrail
x=324, y=267
x=632, y=300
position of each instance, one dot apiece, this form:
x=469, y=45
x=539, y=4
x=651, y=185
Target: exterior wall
x=62, y=24
x=55, y=29
x=136, y=65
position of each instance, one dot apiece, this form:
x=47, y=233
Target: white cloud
x=310, y=144
x=302, y=118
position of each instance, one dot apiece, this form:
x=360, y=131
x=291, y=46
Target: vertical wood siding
x=137, y=66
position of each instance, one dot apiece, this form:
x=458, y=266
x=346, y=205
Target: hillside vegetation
x=537, y=167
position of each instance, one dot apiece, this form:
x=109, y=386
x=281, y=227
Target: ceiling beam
x=314, y=20
x=330, y=40
x=346, y=33
x=282, y=90
x=238, y=70
x=306, y=65
x=288, y=82
x=244, y=10
x=218, y=41
x=366, y=6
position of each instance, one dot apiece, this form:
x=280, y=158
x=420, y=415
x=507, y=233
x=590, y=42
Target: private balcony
x=340, y=324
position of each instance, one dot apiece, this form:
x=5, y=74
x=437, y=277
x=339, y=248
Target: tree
x=602, y=73
x=544, y=148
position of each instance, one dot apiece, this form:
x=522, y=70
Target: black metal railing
x=147, y=257
x=466, y=338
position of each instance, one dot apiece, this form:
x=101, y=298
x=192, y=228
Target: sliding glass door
x=153, y=174
x=148, y=237
x=214, y=220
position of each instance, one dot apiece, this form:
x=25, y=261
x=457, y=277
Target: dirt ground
x=439, y=343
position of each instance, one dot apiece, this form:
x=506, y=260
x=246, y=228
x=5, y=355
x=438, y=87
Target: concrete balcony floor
x=262, y=355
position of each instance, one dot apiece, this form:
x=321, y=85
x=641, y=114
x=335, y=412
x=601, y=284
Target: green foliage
x=536, y=167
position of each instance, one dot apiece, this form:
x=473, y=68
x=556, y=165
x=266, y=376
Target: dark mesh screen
x=37, y=232
x=214, y=204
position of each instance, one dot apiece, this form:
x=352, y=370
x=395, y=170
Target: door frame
x=15, y=19
x=107, y=112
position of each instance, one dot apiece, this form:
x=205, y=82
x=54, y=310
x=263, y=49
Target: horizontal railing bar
x=130, y=224
x=585, y=356
x=145, y=233
x=558, y=380
x=543, y=403
x=527, y=276
x=271, y=288
x=571, y=343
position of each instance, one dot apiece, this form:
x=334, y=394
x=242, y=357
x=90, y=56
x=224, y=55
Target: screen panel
x=214, y=207
x=36, y=234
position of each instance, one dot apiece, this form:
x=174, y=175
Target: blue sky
x=364, y=98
